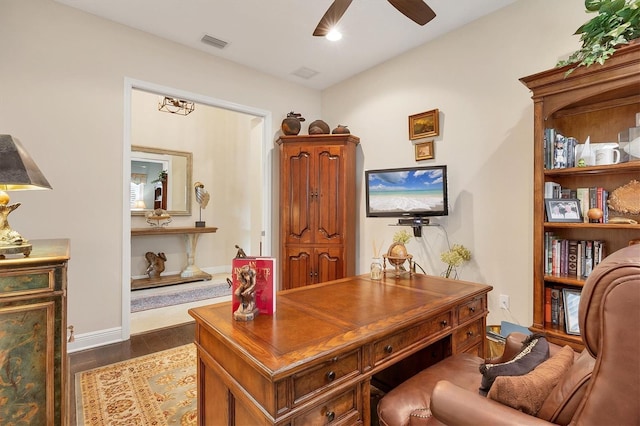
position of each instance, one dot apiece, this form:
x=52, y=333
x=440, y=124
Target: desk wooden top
x=318, y=320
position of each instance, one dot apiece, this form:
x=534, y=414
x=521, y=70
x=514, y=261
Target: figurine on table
x=246, y=292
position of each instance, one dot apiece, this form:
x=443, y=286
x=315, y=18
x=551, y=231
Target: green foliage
x=454, y=257
x=402, y=237
x=617, y=23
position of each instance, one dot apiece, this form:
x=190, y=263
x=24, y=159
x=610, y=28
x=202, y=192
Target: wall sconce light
x=176, y=106
x=17, y=172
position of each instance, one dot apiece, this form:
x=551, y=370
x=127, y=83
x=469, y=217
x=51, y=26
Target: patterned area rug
x=155, y=389
x=141, y=300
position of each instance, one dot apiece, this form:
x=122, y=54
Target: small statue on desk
x=246, y=292
x=156, y=264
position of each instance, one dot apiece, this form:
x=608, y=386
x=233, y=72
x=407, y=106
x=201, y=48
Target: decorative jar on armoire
x=33, y=345
x=317, y=208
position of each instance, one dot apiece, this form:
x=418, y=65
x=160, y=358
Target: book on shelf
x=555, y=306
x=571, y=258
x=552, y=190
x=582, y=194
x=264, y=273
x=559, y=150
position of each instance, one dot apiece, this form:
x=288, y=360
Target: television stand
x=416, y=223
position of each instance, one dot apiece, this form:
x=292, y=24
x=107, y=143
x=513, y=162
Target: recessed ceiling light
x=334, y=35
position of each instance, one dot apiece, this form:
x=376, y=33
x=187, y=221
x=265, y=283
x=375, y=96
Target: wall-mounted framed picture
x=424, y=125
x=424, y=151
x=571, y=299
x=563, y=210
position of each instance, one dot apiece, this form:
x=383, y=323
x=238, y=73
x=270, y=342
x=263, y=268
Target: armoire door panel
x=328, y=207
x=298, y=268
x=329, y=264
x=299, y=198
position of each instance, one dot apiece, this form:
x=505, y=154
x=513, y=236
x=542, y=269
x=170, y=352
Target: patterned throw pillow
x=535, y=350
x=527, y=393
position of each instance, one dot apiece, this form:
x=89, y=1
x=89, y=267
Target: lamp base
x=12, y=249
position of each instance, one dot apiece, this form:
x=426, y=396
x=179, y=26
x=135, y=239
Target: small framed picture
x=424, y=125
x=424, y=151
x=571, y=300
x=563, y=210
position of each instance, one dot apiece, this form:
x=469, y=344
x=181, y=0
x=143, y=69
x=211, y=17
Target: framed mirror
x=160, y=178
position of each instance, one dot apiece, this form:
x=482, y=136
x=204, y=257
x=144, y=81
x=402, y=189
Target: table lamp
x=17, y=172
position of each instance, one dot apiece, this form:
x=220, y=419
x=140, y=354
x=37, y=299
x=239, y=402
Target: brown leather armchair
x=602, y=387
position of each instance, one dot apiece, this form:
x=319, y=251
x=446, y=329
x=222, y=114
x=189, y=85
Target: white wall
x=486, y=138
x=62, y=84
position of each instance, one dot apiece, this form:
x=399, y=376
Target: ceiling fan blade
x=416, y=10
x=331, y=17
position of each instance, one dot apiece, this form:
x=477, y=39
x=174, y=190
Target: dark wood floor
x=137, y=345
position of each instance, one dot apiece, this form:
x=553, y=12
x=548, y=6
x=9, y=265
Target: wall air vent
x=216, y=42
x=305, y=73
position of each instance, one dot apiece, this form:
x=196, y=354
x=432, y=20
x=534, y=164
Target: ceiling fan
x=416, y=10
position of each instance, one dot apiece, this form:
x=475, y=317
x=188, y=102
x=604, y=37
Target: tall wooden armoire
x=317, y=208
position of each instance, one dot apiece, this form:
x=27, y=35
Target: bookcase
x=597, y=102
x=317, y=208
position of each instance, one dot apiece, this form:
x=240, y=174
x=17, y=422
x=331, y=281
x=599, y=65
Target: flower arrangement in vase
x=454, y=257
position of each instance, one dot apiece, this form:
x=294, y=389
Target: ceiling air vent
x=216, y=42
x=305, y=73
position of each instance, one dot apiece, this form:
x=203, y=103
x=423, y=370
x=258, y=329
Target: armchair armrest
x=512, y=346
x=453, y=405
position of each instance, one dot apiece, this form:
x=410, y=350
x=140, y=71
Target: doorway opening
x=232, y=156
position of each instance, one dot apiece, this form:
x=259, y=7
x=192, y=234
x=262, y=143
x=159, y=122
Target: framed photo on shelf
x=571, y=299
x=424, y=125
x=563, y=210
x=424, y=151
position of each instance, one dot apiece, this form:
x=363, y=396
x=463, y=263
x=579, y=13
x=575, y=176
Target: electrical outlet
x=504, y=301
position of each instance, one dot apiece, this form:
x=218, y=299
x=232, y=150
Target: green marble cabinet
x=33, y=348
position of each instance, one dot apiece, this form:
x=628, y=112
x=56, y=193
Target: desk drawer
x=468, y=335
x=340, y=410
x=396, y=343
x=471, y=309
x=325, y=375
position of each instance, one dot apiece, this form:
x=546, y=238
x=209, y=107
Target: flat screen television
x=411, y=192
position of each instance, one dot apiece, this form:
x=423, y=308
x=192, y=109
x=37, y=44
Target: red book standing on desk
x=265, y=268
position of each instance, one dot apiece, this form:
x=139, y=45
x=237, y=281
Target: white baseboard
x=94, y=339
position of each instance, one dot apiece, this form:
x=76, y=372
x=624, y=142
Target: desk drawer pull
x=472, y=308
x=331, y=416
x=388, y=349
x=331, y=376
x=469, y=333
x=444, y=323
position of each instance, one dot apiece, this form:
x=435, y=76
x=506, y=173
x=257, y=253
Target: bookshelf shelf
x=600, y=226
x=599, y=102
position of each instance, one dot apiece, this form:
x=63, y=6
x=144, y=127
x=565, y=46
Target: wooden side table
x=191, y=271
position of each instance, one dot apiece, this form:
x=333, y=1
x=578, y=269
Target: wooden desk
x=312, y=362
x=191, y=272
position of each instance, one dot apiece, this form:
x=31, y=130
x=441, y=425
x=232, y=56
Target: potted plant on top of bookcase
x=617, y=24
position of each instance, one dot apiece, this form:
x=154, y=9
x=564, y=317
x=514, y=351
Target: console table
x=313, y=360
x=191, y=272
